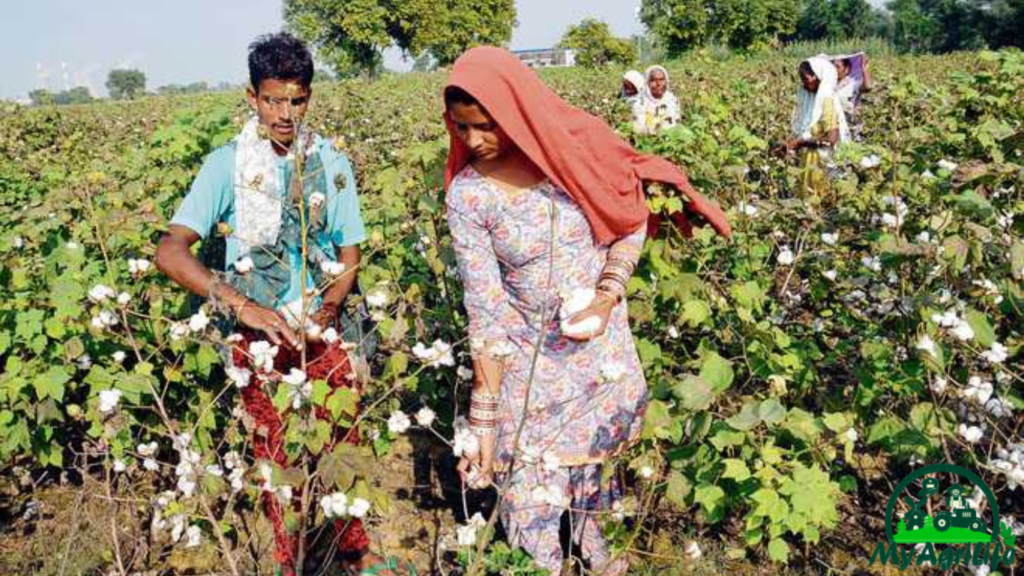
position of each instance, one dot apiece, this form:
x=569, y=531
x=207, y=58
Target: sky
x=59, y=44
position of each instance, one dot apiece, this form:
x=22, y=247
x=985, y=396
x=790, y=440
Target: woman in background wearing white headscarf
x=661, y=108
x=632, y=86
x=634, y=92
x=854, y=79
x=819, y=124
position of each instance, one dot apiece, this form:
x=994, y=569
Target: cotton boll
x=244, y=265
x=581, y=329
x=576, y=301
x=109, y=399
x=399, y=422
x=425, y=417
x=359, y=508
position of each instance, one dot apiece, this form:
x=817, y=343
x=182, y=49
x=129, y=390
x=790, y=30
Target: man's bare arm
x=174, y=258
x=342, y=286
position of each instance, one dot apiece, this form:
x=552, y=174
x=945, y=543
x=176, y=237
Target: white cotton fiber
x=578, y=300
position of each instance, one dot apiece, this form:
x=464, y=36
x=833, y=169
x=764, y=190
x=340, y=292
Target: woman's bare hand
x=477, y=471
x=601, y=307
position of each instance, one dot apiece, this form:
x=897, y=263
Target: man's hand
x=269, y=322
x=326, y=316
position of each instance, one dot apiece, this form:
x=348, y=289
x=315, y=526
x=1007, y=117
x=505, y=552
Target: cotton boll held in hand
x=577, y=301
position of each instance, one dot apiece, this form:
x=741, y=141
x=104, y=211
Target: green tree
x=947, y=25
x=177, y=89
x=1007, y=17
x=684, y=24
x=815, y=21
x=77, y=95
x=458, y=25
x=856, y=18
x=595, y=45
x=913, y=30
x=839, y=19
x=123, y=83
x=42, y=97
x=350, y=35
x=679, y=25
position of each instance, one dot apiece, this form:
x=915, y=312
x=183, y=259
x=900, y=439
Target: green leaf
x=320, y=391
x=396, y=365
x=134, y=386
x=281, y=399
x=656, y=420
x=983, y=331
x=717, y=372
x=931, y=420
x=694, y=393
x=885, y=429
x=971, y=204
x=204, y=359
x=778, y=550
x=836, y=422
x=695, y=312
x=650, y=352
x=343, y=404
x=735, y=469
x=51, y=383
x=320, y=436
x=727, y=438
x=29, y=324
x=746, y=419
x=710, y=497
x=802, y=425
x=768, y=502
x=771, y=454
x=677, y=489
x=771, y=411
x=55, y=328
x=748, y=295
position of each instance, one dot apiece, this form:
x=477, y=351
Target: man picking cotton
x=284, y=200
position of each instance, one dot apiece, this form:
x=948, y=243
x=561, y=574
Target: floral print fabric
x=519, y=255
x=532, y=513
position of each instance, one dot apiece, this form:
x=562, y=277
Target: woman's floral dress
x=519, y=255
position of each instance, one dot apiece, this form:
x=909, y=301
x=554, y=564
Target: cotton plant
x=399, y=422
x=466, y=535
x=1009, y=462
x=339, y=505
x=436, y=355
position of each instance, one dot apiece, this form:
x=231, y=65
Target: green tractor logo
x=949, y=519
x=930, y=529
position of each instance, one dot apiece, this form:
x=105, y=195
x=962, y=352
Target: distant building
x=547, y=57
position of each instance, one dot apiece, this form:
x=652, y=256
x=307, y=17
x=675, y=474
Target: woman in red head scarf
x=548, y=218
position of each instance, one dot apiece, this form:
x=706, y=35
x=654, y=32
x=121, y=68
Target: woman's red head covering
x=578, y=152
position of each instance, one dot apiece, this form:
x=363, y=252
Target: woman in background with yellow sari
x=819, y=124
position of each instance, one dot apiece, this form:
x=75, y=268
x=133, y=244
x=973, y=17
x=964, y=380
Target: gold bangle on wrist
x=615, y=295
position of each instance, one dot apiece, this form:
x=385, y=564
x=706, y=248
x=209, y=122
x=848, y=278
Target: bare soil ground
x=65, y=529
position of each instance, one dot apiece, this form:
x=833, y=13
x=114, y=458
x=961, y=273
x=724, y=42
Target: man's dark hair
x=279, y=56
